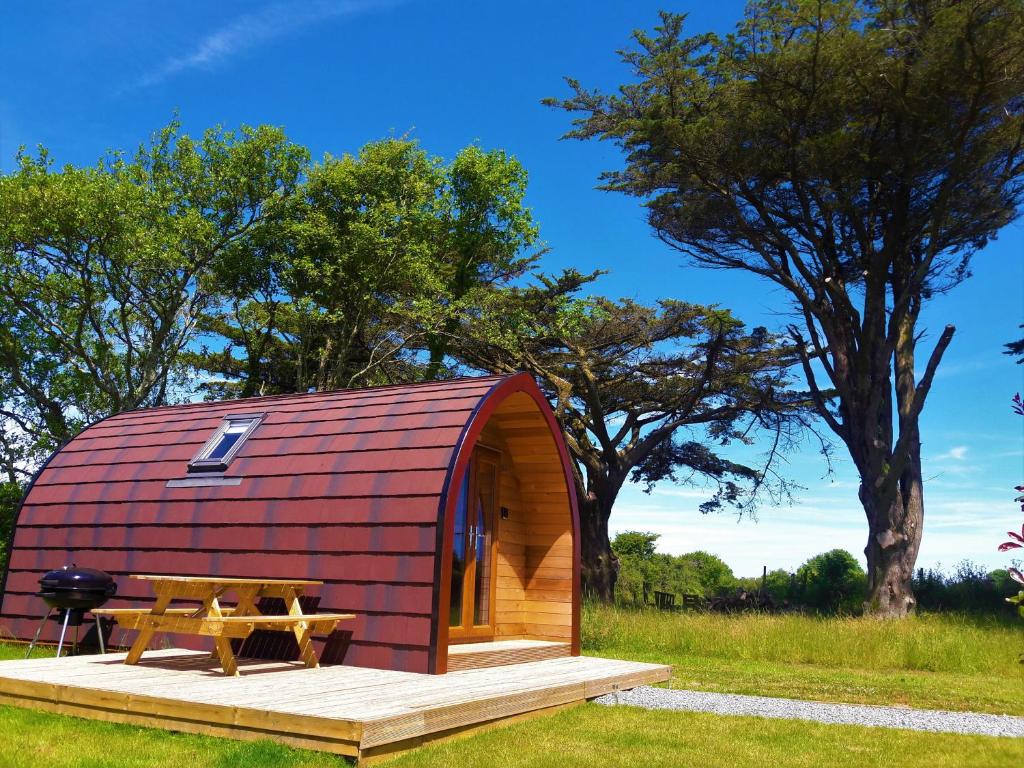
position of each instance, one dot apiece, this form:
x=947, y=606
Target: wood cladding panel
x=511, y=558
x=503, y=653
x=535, y=565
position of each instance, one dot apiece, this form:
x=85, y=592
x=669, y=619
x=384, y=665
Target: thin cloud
x=253, y=29
x=956, y=453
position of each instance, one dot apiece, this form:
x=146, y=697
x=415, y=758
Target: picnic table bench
x=222, y=623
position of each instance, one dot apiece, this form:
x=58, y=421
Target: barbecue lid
x=79, y=579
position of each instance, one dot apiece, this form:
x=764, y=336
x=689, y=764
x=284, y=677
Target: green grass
x=931, y=661
x=582, y=736
x=33, y=739
x=948, y=662
x=17, y=651
x=951, y=643
x=593, y=735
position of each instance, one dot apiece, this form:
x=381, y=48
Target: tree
x=856, y=154
x=642, y=393
x=713, y=575
x=638, y=570
x=642, y=568
x=635, y=544
x=379, y=254
x=10, y=499
x=831, y=582
x=105, y=271
x=1016, y=349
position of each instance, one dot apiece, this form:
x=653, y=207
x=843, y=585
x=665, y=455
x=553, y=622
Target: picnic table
x=223, y=623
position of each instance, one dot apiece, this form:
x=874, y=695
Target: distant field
x=949, y=662
x=934, y=661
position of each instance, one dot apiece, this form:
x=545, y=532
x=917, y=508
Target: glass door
x=471, y=611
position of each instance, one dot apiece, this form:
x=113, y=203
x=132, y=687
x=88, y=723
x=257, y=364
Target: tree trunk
x=894, y=538
x=600, y=567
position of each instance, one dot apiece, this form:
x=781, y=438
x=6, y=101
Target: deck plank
x=346, y=710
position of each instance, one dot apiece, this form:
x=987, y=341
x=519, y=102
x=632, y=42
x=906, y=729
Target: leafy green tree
x=855, y=154
x=713, y=575
x=635, y=544
x=778, y=584
x=379, y=255
x=105, y=272
x=831, y=582
x=643, y=393
x=638, y=569
x=10, y=498
x=643, y=569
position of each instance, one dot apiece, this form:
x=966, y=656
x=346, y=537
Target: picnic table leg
x=246, y=607
x=163, y=599
x=306, y=651
x=221, y=644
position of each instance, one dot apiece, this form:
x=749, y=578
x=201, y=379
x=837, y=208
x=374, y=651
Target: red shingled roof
x=340, y=486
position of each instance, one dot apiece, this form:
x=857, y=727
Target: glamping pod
x=442, y=514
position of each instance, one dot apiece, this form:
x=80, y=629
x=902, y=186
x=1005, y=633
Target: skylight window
x=225, y=444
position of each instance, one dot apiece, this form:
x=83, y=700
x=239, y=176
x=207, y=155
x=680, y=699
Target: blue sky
x=81, y=78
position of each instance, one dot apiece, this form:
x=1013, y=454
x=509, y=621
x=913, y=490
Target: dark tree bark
x=600, y=567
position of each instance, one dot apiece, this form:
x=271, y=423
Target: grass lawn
x=949, y=662
x=593, y=735
x=582, y=736
x=931, y=661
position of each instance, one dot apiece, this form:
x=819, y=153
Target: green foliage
x=832, y=582
x=228, y=255
x=379, y=254
x=779, y=585
x=10, y=498
x=1016, y=540
x=635, y=544
x=642, y=570
x=968, y=588
x=105, y=272
x=646, y=393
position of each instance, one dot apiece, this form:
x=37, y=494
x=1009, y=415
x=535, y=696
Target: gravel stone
x=822, y=712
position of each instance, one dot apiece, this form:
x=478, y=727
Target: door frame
x=475, y=633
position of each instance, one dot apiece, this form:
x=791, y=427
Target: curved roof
x=344, y=486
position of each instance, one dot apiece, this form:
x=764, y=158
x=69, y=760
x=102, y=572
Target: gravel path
x=848, y=714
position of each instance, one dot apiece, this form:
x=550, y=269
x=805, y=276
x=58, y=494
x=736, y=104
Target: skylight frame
x=202, y=462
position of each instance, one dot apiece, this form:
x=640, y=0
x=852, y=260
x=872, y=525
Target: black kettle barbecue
x=74, y=591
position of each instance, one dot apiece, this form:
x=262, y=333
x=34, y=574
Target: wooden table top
x=224, y=581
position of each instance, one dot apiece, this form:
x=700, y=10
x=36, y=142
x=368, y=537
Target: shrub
x=643, y=570
x=832, y=582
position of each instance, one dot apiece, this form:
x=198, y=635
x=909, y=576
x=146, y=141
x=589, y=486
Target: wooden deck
x=354, y=711
x=499, y=653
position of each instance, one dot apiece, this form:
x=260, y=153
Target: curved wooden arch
x=489, y=406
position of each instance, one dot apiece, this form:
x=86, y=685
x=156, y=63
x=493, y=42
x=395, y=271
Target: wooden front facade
x=381, y=493
x=532, y=587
